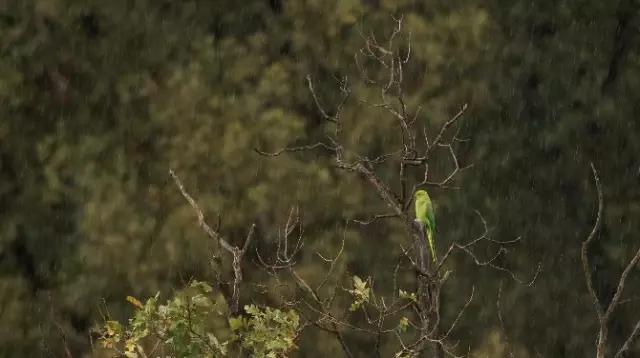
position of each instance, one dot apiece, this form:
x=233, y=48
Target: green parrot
x=425, y=216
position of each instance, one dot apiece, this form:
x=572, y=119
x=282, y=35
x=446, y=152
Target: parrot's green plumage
x=426, y=216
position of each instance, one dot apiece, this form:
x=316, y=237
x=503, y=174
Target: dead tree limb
x=236, y=252
x=604, y=312
x=412, y=157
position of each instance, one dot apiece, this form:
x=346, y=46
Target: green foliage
x=360, y=292
x=267, y=332
x=407, y=295
x=182, y=328
x=404, y=323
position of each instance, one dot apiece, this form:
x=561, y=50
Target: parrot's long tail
x=431, y=246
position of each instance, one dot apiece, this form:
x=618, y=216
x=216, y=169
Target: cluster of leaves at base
x=182, y=328
x=268, y=332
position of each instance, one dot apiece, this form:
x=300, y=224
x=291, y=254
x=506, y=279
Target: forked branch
x=604, y=312
x=236, y=252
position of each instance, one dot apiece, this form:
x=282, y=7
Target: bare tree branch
x=376, y=218
x=409, y=156
x=504, y=330
x=297, y=149
x=585, y=247
x=236, y=253
x=633, y=337
x=604, y=315
x=446, y=126
x=602, y=334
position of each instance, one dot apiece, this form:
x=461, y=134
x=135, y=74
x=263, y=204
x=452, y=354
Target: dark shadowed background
x=98, y=99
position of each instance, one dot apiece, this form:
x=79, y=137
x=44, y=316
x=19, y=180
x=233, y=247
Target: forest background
x=99, y=99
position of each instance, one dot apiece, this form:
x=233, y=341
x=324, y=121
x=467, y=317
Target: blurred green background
x=98, y=99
